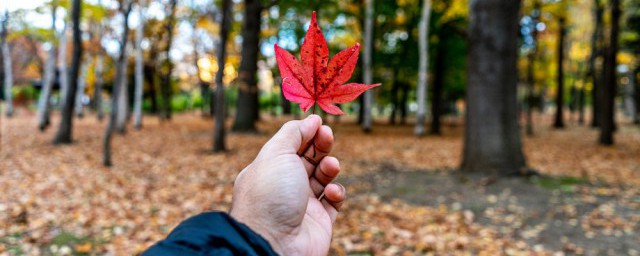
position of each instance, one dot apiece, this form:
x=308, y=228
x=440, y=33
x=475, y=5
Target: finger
x=327, y=170
x=293, y=137
x=321, y=146
x=316, y=187
x=334, y=196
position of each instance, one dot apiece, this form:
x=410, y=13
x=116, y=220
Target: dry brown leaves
x=61, y=200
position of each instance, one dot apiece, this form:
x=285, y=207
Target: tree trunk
x=531, y=79
x=559, y=119
x=97, y=97
x=82, y=81
x=597, y=41
x=247, y=106
x=636, y=84
x=607, y=125
x=492, y=138
x=394, y=95
x=123, y=98
x=139, y=86
x=438, y=84
x=168, y=64
x=64, y=135
x=403, y=103
x=423, y=68
x=117, y=86
x=62, y=62
x=49, y=77
x=6, y=58
x=367, y=118
x=219, y=137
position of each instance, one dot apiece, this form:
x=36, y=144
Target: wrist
x=259, y=229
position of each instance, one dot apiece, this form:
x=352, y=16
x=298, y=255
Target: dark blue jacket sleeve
x=211, y=233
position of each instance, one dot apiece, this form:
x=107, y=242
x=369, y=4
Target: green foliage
x=566, y=183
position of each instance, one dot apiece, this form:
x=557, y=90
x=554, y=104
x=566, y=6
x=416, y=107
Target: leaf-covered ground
x=403, y=197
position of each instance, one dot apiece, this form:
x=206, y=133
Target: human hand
x=277, y=194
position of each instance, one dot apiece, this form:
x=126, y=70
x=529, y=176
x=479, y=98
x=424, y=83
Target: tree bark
x=596, y=52
x=62, y=62
x=44, y=101
x=8, y=75
x=64, y=135
x=219, y=137
x=139, y=86
x=122, y=114
x=117, y=86
x=82, y=79
x=423, y=69
x=247, y=106
x=168, y=64
x=367, y=118
x=559, y=118
x=492, y=138
x=394, y=95
x=97, y=97
x=607, y=125
x=438, y=84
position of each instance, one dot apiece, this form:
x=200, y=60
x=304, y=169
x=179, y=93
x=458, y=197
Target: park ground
x=404, y=195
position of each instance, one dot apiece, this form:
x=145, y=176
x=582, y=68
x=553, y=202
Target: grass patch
x=563, y=183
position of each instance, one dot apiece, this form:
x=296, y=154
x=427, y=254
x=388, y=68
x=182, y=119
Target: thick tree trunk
x=492, y=138
x=423, y=69
x=139, y=86
x=607, y=125
x=438, y=85
x=247, y=106
x=49, y=77
x=219, y=137
x=367, y=118
x=97, y=97
x=82, y=81
x=121, y=65
x=597, y=41
x=64, y=135
x=8, y=75
x=559, y=119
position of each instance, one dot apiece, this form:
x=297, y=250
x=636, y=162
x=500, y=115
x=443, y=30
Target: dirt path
x=558, y=214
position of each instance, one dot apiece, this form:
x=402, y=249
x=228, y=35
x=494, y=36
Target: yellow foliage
x=457, y=9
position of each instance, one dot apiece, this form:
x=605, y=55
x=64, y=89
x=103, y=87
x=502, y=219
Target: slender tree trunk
x=438, y=84
x=123, y=97
x=247, y=105
x=64, y=135
x=367, y=118
x=636, y=84
x=168, y=64
x=8, y=75
x=62, y=62
x=97, y=97
x=49, y=77
x=403, y=103
x=219, y=137
x=82, y=79
x=423, y=69
x=139, y=86
x=596, y=50
x=121, y=65
x=559, y=119
x=531, y=79
x=394, y=95
x=607, y=125
x=491, y=136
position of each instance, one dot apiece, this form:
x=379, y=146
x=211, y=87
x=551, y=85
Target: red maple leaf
x=317, y=80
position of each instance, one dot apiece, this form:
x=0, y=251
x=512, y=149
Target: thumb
x=293, y=137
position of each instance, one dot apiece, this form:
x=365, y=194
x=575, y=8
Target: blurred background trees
x=573, y=61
